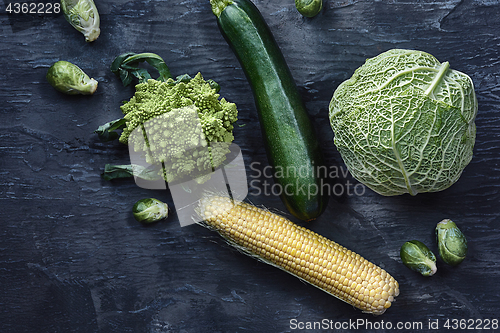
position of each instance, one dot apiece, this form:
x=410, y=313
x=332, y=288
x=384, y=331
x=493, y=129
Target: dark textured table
x=72, y=257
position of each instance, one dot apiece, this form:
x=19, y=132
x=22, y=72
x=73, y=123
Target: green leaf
x=214, y=85
x=117, y=171
x=142, y=74
x=112, y=171
x=126, y=67
x=185, y=78
x=107, y=132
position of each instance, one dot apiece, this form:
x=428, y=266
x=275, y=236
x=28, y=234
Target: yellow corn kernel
x=301, y=252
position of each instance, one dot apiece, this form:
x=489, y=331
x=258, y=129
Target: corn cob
x=301, y=252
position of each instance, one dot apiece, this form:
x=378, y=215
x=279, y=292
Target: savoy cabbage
x=404, y=123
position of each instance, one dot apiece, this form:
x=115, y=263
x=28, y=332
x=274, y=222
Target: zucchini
x=289, y=137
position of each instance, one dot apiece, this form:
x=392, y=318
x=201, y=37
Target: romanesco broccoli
x=180, y=125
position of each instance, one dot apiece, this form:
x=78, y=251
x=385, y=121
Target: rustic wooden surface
x=72, y=257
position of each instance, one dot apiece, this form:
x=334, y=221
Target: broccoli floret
x=182, y=126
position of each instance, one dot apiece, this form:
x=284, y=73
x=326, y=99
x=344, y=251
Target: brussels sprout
x=70, y=79
x=83, y=16
x=452, y=244
x=309, y=8
x=417, y=257
x=150, y=210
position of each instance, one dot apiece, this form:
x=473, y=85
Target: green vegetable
x=126, y=66
x=452, y=244
x=154, y=98
x=128, y=170
x=180, y=125
x=107, y=132
x=417, y=257
x=288, y=133
x=150, y=210
x=70, y=79
x=309, y=8
x=404, y=123
x=83, y=16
